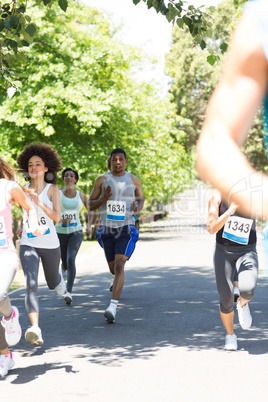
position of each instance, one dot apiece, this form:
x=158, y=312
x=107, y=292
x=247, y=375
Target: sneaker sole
x=230, y=348
x=68, y=300
x=109, y=316
x=33, y=338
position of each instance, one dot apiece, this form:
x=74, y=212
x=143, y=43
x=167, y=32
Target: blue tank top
x=258, y=10
x=117, y=211
x=70, y=208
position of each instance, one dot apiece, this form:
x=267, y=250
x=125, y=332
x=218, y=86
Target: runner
x=69, y=228
x=230, y=113
x=39, y=164
x=10, y=329
x=235, y=251
x=116, y=192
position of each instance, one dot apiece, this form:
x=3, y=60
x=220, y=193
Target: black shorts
x=117, y=240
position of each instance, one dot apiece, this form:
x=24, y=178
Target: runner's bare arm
x=18, y=196
x=214, y=221
x=139, y=198
x=90, y=213
x=94, y=200
x=229, y=116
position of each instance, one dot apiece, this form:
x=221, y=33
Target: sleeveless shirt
x=48, y=240
x=237, y=230
x=70, y=208
x=117, y=211
x=6, y=235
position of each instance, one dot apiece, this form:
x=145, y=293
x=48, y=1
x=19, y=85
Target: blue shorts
x=117, y=240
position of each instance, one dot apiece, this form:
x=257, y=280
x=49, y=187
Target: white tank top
x=50, y=239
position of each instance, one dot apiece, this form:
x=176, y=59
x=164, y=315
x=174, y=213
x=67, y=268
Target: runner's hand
x=19, y=232
x=135, y=209
x=107, y=193
x=40, y=230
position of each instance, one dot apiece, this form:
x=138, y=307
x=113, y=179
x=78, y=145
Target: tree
x=193, y=78
x=198, y=21
x=17, y=31
x=78, y=93
x=194, y=81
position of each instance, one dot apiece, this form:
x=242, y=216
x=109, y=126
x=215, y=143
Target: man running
x=118, y=194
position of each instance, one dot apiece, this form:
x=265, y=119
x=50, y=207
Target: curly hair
x=48, y=155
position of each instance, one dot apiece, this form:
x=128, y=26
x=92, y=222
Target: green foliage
x=198, y=20
x=194, y=81
x=78, y=94
x=195, y=72
x=16, y=31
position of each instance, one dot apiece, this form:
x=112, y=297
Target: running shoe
x=33, y=335
x=68, y=298
x=230, y=342
x=61, y=287
x=236, y=294
x=6, y=363
x=111, y=286
x=244, y=316
x=12, y=328
x=109, y=314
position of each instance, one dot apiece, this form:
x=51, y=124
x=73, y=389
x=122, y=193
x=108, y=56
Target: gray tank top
x=117, y=211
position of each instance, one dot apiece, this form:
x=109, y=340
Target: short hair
x=76, y=175
x=48, y=155
x=118, y=151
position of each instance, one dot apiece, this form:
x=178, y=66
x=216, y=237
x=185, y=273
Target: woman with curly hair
x=10, y=329
x=39, y=163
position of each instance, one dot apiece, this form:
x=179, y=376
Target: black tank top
x=252, y=236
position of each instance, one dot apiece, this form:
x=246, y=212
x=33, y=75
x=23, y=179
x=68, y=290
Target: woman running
x=39, y=164
x=10, y=329
x=69, y=228
x=235, y=251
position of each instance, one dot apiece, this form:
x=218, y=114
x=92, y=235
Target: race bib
x=27, y=227
x=73, y=215
x=3, y=235
x=237, y=229
x=116, y=210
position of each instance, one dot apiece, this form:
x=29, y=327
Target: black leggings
x=228, y=259
x=30, y=257
x=69, y=245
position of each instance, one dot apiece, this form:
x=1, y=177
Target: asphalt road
x=167, y=341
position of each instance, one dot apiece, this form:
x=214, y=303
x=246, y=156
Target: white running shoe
x=61, y=287
x=6, y=363
x=68, y=298
x=33, y=335
x=12, y=328
x=244, y=316
x=230, y=342
x=111, y=285
x=109, y=314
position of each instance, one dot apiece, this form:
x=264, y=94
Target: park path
x=167, y=342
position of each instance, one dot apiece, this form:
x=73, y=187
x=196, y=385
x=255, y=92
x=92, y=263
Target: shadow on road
x=168, y=307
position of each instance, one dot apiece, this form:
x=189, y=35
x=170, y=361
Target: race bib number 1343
x=237, y=229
